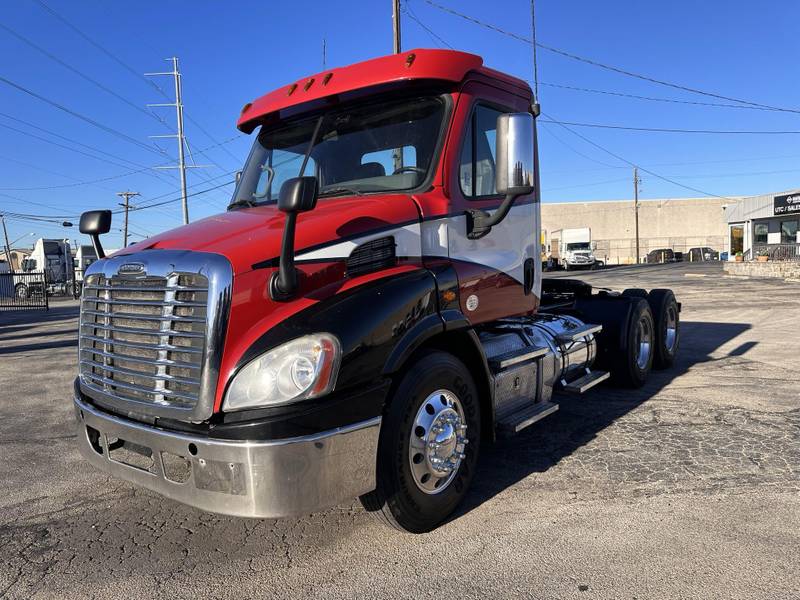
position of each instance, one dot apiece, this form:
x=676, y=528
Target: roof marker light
x=327, y=78
x=292, y=88
x=308, y=84
x=246, y=107
x=410, y=59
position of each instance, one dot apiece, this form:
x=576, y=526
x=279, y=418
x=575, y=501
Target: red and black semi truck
x=367, y=313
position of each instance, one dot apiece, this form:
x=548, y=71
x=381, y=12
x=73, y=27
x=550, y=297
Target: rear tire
x=632, y=364
x=411, y=495
x=666, y=315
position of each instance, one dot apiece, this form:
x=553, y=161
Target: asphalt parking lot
x=687, y=488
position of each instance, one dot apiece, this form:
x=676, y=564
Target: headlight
x=303, y=368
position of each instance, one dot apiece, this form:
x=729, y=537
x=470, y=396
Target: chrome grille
x=143, y=339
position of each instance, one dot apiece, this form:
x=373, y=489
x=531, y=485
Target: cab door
x=498, y=273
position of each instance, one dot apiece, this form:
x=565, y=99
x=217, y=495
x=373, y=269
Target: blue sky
x=233, y=52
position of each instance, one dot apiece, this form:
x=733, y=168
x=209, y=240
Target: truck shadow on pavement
x=22, y=320
x=581, y=419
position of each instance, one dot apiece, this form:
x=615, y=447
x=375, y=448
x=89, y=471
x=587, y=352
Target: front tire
x=22, y=292
x=429, y=444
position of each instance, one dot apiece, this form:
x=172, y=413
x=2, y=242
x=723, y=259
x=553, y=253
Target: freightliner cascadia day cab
x=365, y=316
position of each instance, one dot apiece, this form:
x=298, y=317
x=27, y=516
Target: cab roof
x=418, y=64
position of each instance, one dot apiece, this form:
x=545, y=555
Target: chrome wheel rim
x=671, y=336
x=437, y=442
x=644, y=342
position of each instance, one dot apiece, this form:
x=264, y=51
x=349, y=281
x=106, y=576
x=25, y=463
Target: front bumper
x=268, y=479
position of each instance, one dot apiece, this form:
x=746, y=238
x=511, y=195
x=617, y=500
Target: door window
x=737, y=239
x=477, y=168
x=760, y=233
x=788, y=232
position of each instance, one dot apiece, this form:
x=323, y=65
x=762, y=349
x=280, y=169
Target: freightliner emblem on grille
x=131, y=269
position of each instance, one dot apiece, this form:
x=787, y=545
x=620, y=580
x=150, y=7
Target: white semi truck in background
x=54, y=259
x=572, y=248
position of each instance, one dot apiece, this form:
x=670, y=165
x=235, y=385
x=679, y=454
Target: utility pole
x=396, y=25
x=324, y=53
x=636, y=182
x=397, y=153
x=178, y=104
x=126, y=206
x=8, y=246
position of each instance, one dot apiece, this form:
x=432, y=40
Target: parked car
x=679, y=257
x=660, y=255
x=703, y=253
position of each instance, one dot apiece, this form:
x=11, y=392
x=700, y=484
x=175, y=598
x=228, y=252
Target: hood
x=247, y=236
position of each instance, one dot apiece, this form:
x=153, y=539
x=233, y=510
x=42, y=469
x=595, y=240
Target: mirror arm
x=98, y=247
x=283, y=283
x=480, y=223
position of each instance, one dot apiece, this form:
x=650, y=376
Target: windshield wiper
x=242, y=202
x=341, y=190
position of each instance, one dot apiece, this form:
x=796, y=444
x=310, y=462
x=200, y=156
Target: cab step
x=515, y=357
x=517, y=421
x=576, y=334
x=586, y=382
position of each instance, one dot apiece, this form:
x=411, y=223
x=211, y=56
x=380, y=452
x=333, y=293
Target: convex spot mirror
x=298, y=194
x=515, y=153
x=95, y=222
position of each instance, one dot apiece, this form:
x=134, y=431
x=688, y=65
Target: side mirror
x=94, y=223
x=515, y=152
x=298, y=194
x=514, y=149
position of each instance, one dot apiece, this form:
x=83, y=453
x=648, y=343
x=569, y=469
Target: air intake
x=372, y=256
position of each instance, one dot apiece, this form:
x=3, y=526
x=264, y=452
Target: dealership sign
x=787, y=204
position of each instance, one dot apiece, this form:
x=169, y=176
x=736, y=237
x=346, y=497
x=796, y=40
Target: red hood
x=251, y=235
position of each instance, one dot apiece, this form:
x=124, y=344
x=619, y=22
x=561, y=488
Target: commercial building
x=676, y=223
x=766, y=225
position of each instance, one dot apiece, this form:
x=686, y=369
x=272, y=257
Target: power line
x=76, y=143
x=612, y=68
x=434, y=36
x=632, y=164
x=89, y=120
x=650, y=98
x=92, y=181
x=83, y=75
x=669, y=130
x=128, y=68
x=576, y=151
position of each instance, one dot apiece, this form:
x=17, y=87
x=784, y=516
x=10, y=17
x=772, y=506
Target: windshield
x=372, y=148
x=578, y=246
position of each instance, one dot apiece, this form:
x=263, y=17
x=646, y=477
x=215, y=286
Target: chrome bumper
x=268, y=479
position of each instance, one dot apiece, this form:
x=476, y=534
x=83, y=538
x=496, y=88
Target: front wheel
x=429, y=443
x=22, y=292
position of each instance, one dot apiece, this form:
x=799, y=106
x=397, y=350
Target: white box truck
x=572, y=248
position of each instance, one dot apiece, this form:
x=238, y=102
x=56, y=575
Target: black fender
x=373, y=322
x=613, y=313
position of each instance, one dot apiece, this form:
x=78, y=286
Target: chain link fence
x=623, y=251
